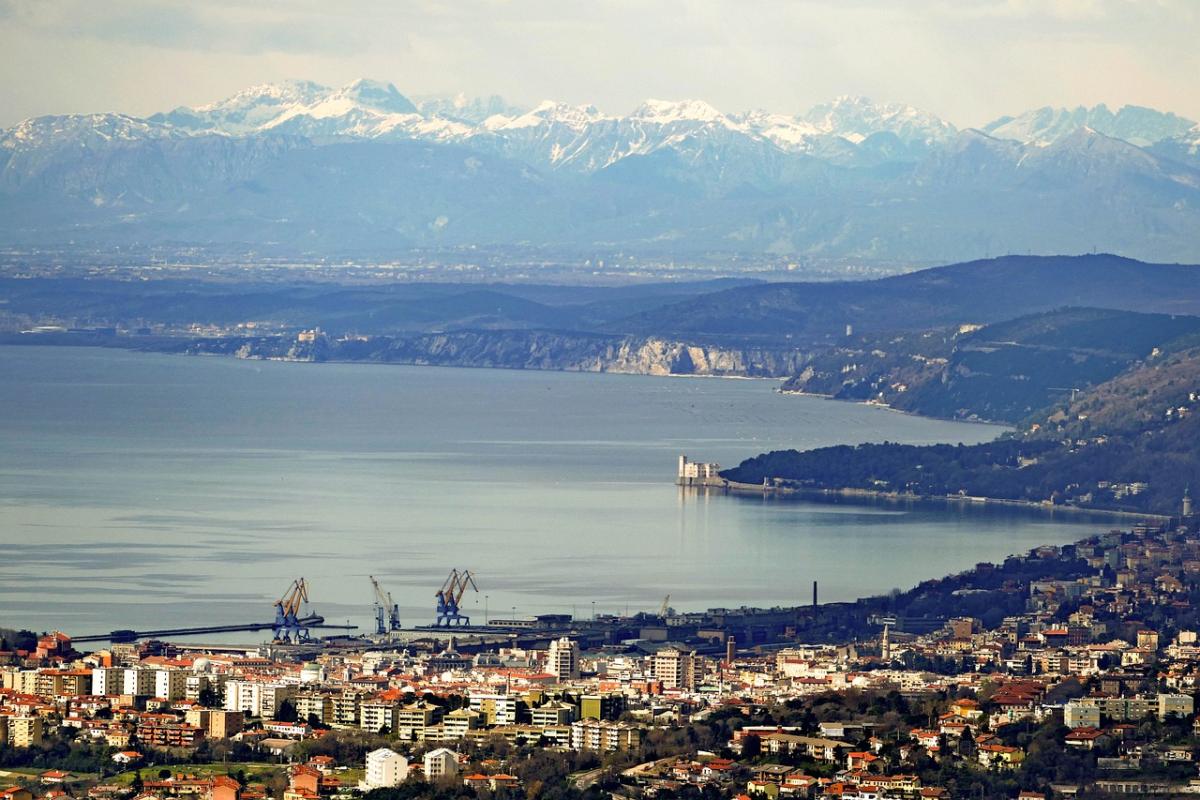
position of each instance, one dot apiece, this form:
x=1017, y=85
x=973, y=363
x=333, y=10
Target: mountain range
x=364, y=169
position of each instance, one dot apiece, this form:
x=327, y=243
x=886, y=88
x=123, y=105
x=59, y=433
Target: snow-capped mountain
x=363, y=109
x=560, y=135
x=82, y=130
x=462, y=108
x=856, y=118
x=1135, y=124
x=362, y=165
x=247, y=111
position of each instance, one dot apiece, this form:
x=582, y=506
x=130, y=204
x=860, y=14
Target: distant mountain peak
x=378, y=95
x=548, y=112
x=1137, y=125
x=667, y=111
x=288, y=91
x=855, y=117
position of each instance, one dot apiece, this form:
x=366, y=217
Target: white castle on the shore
x=697, y=471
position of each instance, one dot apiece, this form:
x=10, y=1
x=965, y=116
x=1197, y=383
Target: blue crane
x=449, y=597
x=288, y=627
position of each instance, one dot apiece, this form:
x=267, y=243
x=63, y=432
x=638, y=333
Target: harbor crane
x=449, y=596
x=665, y=611
x=288, y=626
x=387, y=613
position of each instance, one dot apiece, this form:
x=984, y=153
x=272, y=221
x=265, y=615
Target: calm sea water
x=145, y=490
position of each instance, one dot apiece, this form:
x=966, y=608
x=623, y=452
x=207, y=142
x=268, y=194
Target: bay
x=145, y=490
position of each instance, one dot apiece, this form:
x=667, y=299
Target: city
x=1088, y=685
x=529, y=400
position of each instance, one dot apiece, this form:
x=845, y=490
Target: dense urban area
x=1065, y=671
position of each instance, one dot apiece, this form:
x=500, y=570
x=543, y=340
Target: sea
x=146, y=491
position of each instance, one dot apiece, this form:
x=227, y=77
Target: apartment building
x=375, y=715
x=440, y=763
x=385, y=768
x=495, y=708
x=604, y=736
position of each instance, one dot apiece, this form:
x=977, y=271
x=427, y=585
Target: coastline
x=893, y=409
x=735, y=487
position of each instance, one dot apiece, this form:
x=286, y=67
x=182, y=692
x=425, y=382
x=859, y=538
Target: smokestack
x=814, y=593
x=730, y=650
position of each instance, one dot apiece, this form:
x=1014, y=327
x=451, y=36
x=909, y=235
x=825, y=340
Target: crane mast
x=287, y=613
x=387, y=612
x=450, y=596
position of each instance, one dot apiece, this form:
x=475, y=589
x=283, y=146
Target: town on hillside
x=1067, y=671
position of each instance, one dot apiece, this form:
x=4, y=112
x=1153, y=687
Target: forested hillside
x=1131, y=443
x=1004, y=372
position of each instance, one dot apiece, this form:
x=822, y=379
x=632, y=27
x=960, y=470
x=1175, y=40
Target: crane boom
x=450, y=594
x=387, y=612
x=465, y=579
x=287, y=612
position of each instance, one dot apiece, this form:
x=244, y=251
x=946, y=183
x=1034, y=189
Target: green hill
x=1131, y=443
x=1006, y=371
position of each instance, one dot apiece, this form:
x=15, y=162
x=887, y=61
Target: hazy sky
x=966, y=60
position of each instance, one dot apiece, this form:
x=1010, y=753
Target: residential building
x=601, y=706
x=440, y=763
x=377, y=715
x=675, y=669
x=562, y=661
x=604, y=736
x=170, y=684
x=495, y=708
x=1079, y=715
x=25, y=731
x=385, y=768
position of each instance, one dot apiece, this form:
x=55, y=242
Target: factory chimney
x=814, y=593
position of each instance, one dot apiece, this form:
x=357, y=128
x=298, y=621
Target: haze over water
x=148, y=491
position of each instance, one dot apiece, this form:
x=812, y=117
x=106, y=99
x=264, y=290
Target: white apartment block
x=170, y=684
x=563, y=659
x=138, y=681
x=385, y=768
x=108, y=680
x=374, y=716
x=255, y=699
x=440, y=763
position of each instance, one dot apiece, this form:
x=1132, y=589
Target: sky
x=968, y=61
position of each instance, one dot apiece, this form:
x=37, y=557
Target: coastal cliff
x=544, y=350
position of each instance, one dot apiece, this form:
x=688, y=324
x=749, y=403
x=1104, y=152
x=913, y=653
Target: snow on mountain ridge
x=664, y=112
x=855, y=118
x=548, y=112
x=1135, y=124
x=848, y=131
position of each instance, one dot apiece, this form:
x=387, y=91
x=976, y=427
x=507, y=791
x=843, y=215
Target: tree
x=751, y=746
x=137, y=784
x=210, y=697
x=286, y=711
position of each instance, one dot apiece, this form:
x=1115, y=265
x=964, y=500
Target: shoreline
x=1012, y=426
x=897, y=497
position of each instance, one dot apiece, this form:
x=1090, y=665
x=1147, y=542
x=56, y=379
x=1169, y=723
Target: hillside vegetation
x=1005, y=372
x=1131, y=443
